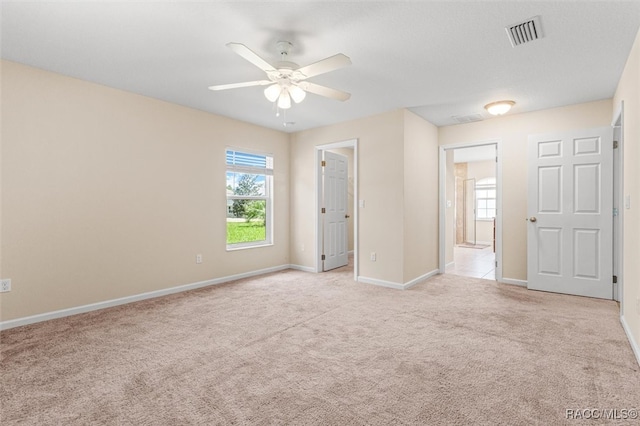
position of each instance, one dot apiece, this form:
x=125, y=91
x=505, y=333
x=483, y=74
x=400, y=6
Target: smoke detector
x=524, y=32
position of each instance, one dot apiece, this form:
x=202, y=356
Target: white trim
x=452, y=263
x=442, y=209
x=350, y=252
x=521, y=283
x=4, y=325
x=303, y=268
x=442, y=201
x=381, y=283
x=245, y=246
x=350, y=143
x=618, y=190
x=421, y=278
x=398, y=286
x=634, y=345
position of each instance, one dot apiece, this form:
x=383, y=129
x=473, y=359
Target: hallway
x=473, y=262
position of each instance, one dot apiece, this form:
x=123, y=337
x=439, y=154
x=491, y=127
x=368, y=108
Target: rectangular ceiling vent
x=524, y=32
x=466, y=118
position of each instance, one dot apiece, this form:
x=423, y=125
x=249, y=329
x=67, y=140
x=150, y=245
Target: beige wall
x=380, y=174
x=397, y=155
x=629, y=91
x=349, y=153
x=513, y=130
x=480, y=170
x=420, y=197
x=107, y=194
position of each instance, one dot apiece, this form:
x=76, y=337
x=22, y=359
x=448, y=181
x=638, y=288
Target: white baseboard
x=302, y=268
x=634, y=345
x=381, y=283
x=452, y=264
x=4, y=325
x=521, y=283
x=421, y=278
x=350, y=252
x=397, y=286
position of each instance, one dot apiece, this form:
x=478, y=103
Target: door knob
x=346, y=216
x=532, y=219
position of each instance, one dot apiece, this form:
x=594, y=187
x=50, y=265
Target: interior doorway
x=348, y=149
x=470, y=210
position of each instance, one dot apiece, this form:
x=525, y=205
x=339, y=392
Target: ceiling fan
x=286, y=80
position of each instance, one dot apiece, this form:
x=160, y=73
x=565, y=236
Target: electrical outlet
x=198, y=258
x=373, y=256
x=5, y=285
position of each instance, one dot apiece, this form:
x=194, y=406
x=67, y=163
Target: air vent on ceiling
x=466, y=118
x=524, y=32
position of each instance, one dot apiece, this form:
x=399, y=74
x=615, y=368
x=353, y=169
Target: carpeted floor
x=307, y=349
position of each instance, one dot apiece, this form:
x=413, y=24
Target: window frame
x=267, y=172
x=486, y=184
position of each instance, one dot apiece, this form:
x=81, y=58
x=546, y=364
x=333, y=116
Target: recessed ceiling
x=439, y=59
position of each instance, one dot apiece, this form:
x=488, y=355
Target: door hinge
x=323, y=210
x=323, y=257
x=615, y=212
x=615, y=144
x=496, y=159
x=323, y=163
x=496, y=263
x=615, y=279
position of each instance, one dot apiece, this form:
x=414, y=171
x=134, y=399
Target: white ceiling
x=439, y=59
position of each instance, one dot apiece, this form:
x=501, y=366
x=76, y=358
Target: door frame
x=350, y=143
x=618, y=202
x=443, y=201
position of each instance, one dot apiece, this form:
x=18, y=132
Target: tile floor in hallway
x=473, y=262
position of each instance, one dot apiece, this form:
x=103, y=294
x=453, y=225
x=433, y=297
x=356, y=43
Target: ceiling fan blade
x=327, y=92
x=251, y=56
x=325, y=65
x=237, y=85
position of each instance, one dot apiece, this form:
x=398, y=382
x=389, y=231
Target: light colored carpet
x=300, y=348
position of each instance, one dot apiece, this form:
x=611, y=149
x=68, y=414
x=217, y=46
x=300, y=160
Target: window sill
x=245, y=247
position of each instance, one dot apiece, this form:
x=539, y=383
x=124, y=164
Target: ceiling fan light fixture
x=273, y=92
x=284, y=101
x=499, y=108
x=297, y=94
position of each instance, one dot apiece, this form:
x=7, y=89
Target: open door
x=335, y=212
x=570, y=227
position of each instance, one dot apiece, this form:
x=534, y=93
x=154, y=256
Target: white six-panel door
x=570, y=213
x=335, y=236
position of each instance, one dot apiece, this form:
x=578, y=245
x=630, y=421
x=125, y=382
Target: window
x=486, y=198
x=249, y=187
